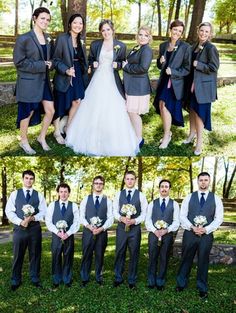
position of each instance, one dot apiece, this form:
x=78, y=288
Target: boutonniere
x=48, y=40
x=136, y=48
x=200, y=47
x=175, y=48
x=82, y=42
x=117, y=48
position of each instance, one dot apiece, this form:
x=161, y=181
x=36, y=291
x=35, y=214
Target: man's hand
x=64, y=236
x=130, y=221
x=98, y=230
x=25, y=221
x=90, y=227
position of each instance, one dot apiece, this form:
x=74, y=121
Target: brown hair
x=40, y=10
x=100, y=177
x=206, y=24
x=176, y=23
x=106, y=21
x=147, y=29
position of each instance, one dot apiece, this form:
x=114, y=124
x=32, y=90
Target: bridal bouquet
x=200, y=220
x=160, y=224
x=61, y=226
x=28, y=210
x=128, y=210
x=95, y=221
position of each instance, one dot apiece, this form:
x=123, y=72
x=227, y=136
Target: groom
x=132, y=237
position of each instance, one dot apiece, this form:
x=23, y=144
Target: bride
x=101, y=125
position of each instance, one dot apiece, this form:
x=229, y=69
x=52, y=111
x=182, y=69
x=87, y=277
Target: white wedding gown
x=101, y=125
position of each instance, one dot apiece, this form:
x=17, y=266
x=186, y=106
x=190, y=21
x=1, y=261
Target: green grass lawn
x=27, y=299
x=230, y=216
x=218, y=142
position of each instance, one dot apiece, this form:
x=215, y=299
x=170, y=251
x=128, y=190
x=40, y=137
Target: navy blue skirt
x=203, y=110
x=25, y=108
x=63, y=100
x=173, y=105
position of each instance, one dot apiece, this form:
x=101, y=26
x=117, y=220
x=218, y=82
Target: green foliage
x=225, y=11
x=27, y=299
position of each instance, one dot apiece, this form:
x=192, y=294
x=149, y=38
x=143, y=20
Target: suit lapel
x=99, y=48
x=174, y=52
x=35, y=39
x=48, y=45
x=70, y=45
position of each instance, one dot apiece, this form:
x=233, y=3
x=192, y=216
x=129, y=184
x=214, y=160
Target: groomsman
x=27, y=230
x=131, y=238
x=94, y=238
x=160, y=241
x=198, y=239
x=62, y=241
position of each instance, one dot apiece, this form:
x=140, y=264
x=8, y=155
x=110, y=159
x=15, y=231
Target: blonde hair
x=147, y=29
x=206, y=24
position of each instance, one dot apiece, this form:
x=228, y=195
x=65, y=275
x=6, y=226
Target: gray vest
x=208, y=209
x=68, y=217
x=134, y=201
x=91, y=211
x=20, y=201
x=166, y=216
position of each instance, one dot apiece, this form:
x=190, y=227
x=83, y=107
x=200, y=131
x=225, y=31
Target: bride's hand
x=114, y=64
x=95, y=64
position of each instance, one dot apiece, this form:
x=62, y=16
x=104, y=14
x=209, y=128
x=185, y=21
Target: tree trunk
x=178, y=4
x=153, y=188
x=139, y=13
x=188, y=6
x=62, y=171
x=159, y=17
x=63, y=14
x=126, y=169
x=140, y=173
x=214, y=175
x=170, y=14
x=77, y=6
x=227, y=191
x=153, y=14
x=203, y=163
x=16, y=17
x=111, y=10
x=226, y=165
x=191, y=175
x=198, y=12
x=4, y=195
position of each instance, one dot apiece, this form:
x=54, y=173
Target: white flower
x=117, y=48
x=128, y=210
x=200, y=47
x=82, y=42
x=61, y=225
x=160, y=224
x=95, y=221
x=28, y=210
x=48, y=39
x=200, y=220
x=175, y=48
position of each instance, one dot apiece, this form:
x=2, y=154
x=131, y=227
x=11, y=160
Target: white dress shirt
x=143, y=202
x=219, y=213
x=11, y=209
x=49, y=214
x=110, y=218
x=173, y=226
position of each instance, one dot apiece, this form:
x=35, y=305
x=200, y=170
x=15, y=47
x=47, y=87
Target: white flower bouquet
x=28, y=210
x=61, y=226
x=95, y=221
x=117, y=48
x=128, y=210
x=200, y=220
x=160, y=224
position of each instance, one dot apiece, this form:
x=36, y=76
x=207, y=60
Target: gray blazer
x=179, y=63
x=63, y=59
x=119, y=55
x=136, y=80
x=30, y=65
x=205, y=73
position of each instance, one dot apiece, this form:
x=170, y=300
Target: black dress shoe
x=160, y=288
x=55, y=285
x=37, y=284
x=14, y=287
x=179, y=289
x=68, y=285
x=84, y=283
x=132, y=286
x=117, y=283
x=151, y=286
x=203, y=295
x=99, y=282
x=141, y=143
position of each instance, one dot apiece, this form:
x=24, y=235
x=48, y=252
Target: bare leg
x=166, y=120
x=24, y=143
x=73, y=109
x=49, y=111
x=192, y=127
x=199, y=128
x=57, y=133
x=136, y=121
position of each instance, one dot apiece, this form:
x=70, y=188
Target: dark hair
x=71, y=19
x=103, y=22
x=203, y=174
x=99, y=177
x=164, y=181
x=176, y=23
x=28, y=172
x=131, y=173
x=40, y=10
x=63, y=185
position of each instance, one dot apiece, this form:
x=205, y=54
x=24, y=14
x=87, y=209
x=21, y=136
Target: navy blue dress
x=167, y=95
x=25, y=108
x=63, y=100
x=203, y=110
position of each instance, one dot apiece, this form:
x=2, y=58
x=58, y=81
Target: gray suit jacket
x=205, y=74
x=179, y=63
x=119, y=55
x=136, y=80
x=63, y=59
x=30, y=65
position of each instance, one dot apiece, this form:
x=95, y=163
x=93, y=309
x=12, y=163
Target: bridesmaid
x=201, y=86
x=32, y=58
x=136, y=80
x=71, y=73
x=174, y=62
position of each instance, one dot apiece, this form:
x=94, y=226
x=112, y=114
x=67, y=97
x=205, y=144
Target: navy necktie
x=97, y=204
x=63, y=209
x=202, y=199
x=129, y=196
x=27, y=196
x=163, y=205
